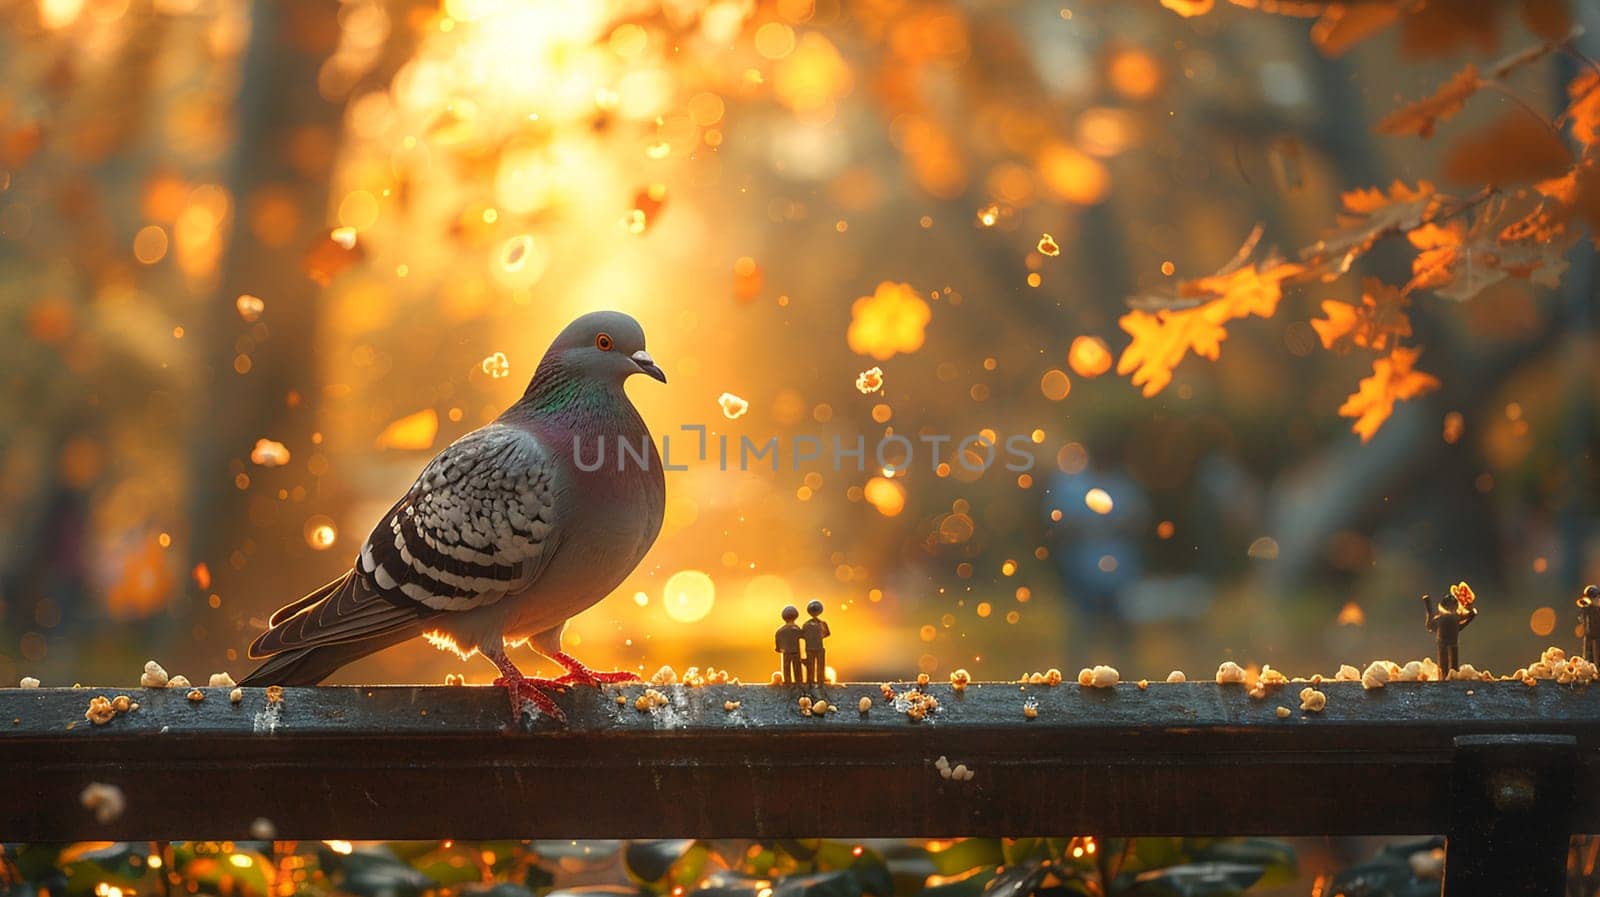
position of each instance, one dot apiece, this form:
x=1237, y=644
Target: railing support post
x=1510, y=815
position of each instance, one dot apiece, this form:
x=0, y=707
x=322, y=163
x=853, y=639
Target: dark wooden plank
x=422, y=762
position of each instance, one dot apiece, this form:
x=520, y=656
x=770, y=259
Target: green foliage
x=971, y=867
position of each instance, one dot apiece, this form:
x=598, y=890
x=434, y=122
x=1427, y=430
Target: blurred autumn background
x=259, y=260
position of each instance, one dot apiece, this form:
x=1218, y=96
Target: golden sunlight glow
x=688, y=596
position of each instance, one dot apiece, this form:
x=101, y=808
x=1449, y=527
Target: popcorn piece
x=1347, y=673
x=454, y=679
x=28, y=682
x=154, y=676
x=1230, y=673
x=664, y=676
x=236, y=696
x=1030, y=710
x=692, y=677
x=220, y=680
x=1283, y=712
x=805, y=702
x=106, y=802
x=1101, y=677
x=869, y=381
x=732, y=406
x=961, y=773
x=1312, y=700
x=1086, y=677
x=1036, y=679
x=1553, y=655
x=1376, y=675
x=121, y=703
x=1271, y=677
x=865, y=704
x=1541, y=670
x=942, y=763
x=1257, y=692
x=274, y=694
x=100, y=711
x=777, y=678
x=1411, y=672
x=1052, y=677
x=1177, y=676
x=922, y=680
x=179, y=682
x=820, y=707
x=1144, y=684
x=622, y=700
x=650, y=700
x=1465, y=671
x=196, y=695
x=959, y=680
x=730, y=706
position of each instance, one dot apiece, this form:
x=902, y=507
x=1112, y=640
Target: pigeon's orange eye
x=603, y=342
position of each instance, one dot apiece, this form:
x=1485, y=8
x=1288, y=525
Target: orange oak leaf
x=1379, y=322
x=1162, y=338
x=1459, y=261
x=1392, y=380
x=1187, y=8
x=1343, y=26
x=1584, y=109
x=1421, y=117
x=1370, y=213
x=1516, y=148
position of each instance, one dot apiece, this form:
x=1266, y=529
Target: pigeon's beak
x=648, y=365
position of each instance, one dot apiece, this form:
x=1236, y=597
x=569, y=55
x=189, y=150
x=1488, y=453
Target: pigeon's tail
x=309, y=666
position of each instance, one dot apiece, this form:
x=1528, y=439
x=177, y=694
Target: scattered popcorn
x=1052, y=677
x=1177, y=676
x=1144, y=684
x=1411, y=672
x=249, y=307
x=1030, y=709
x=1375, y=675
x=196, y=695
x=1257, y=692
x=1230, y=672
x=805, y=702
x=269, y=453
x=154, y=676
x=1347, y=673
x=274, y=694
x=122, y=703
x=236, y=696
x=622, y=700
x=455, y=679
x=262, y=829
x=1036, y=679
x=732, y=406
x=1271, y=677
x=664, y=676
x=220, y=680
x=1100, y=676
x=942, y=764
x=1048, y=246
x=865, y=704
x=959, y=680
x=1541, y=670
x=1553, y=655
x=919, y=705
x=1283, y=712
x=777, y=678
x=178, y=681
x=730, y=706
x=961, y=773
x=692, y=677
x=28, y=682
x=650, y=700
x=888, y=691
x=922, y=680
x=869, y=381
x=106, y=801
x=100, y=711
x=1312, y=700
x=1465, y=671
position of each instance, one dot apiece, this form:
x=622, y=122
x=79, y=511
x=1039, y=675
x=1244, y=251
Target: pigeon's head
x=605, y=345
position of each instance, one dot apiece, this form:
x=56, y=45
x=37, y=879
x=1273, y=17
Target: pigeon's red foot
x=535, y=691
x=578, y=674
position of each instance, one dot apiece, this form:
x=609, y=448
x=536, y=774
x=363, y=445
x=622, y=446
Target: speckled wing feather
x=478, y=524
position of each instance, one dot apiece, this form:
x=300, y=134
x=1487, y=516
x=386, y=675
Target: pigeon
x=510, y=531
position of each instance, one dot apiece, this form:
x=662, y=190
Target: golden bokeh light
x=688, y=596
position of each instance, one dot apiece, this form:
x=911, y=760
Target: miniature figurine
x=1589, y=623
x=815, y=630
x=1446, y=618
x=786, y=641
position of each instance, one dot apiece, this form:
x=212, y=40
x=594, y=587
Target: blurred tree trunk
x=284, y=149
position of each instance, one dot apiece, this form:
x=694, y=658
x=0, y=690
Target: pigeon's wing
x=479, y=523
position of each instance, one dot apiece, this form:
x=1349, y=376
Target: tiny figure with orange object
x=1589, y=623
x=815, y=630
x=1446, y=618
x=786, y=641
